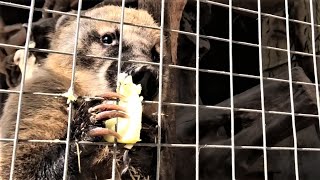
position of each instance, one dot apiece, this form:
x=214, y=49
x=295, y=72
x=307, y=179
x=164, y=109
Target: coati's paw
x=105, y=111
x=90, y=115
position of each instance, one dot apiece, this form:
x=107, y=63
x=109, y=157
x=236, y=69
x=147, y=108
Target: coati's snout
x=148, y=78
x=146, y=75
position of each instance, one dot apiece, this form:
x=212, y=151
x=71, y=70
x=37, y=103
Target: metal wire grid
x=197, y=146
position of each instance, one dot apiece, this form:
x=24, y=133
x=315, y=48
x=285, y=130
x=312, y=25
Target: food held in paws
x=128, y=128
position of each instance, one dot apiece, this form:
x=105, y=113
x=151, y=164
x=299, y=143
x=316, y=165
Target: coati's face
x=102, y=39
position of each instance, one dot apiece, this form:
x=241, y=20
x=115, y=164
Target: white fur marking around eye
x=102, y=74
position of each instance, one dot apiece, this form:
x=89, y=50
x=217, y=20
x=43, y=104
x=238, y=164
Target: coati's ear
x=106, y=3
x=41, y=30
x=64, y=19
x=128, y=3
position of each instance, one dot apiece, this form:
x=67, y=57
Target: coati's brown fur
x=45, y=117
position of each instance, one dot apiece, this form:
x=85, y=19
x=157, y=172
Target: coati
x=45, y=117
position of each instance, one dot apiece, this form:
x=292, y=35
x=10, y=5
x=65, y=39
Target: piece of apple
x=128, y=128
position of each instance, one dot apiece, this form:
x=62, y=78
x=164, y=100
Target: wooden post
x=174, y=10
x=173, y=14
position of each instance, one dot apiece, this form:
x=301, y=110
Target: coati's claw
x=105, y=115
x=112, y=96
x=102, y=132
x=105, y=107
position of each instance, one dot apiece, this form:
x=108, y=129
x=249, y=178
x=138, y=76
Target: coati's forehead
x=113, y=13
x=131, y=16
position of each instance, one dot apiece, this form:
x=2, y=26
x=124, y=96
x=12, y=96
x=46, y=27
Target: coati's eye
x=107, y=39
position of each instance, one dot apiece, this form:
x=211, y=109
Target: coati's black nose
x=149, y=82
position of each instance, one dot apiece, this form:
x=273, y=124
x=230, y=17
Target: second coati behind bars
x=45, y=117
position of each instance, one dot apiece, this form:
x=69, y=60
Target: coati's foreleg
x=46, y=160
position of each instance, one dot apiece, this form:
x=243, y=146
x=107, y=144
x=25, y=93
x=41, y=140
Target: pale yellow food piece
x=128, y=128
x=71, y=97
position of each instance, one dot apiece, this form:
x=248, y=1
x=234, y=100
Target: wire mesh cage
x=230, y=89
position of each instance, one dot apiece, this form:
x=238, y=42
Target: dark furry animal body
x=45, y=117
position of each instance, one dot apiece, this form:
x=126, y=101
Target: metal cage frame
x=197, y=146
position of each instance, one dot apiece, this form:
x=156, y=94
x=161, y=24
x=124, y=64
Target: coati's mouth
x=148, y=78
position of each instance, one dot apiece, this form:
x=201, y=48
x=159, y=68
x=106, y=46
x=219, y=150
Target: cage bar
x=159, y=140
x=197, y=89
x=233, y=163
x=74, y=60
x=25, y=56
x=115, y=146
x=314, y=57
x=295, y=143
x=263, y=117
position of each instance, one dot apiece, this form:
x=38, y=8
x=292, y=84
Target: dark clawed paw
x=90, y=116
x=104, y=112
